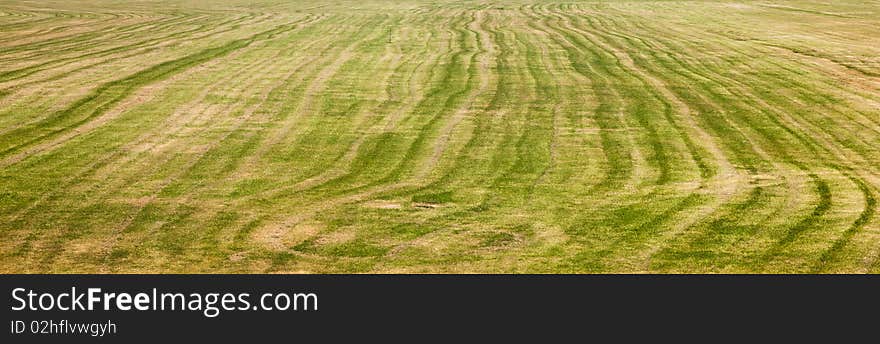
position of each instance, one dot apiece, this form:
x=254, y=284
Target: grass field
x=435, y=136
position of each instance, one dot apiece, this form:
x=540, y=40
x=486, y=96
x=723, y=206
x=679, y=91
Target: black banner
x=414, y=308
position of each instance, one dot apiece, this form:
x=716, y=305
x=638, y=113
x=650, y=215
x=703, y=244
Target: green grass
x=417, y=136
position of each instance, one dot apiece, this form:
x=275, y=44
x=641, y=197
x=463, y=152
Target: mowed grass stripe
x=104, y=97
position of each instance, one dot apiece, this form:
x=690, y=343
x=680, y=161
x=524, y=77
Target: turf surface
x=439, y=136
